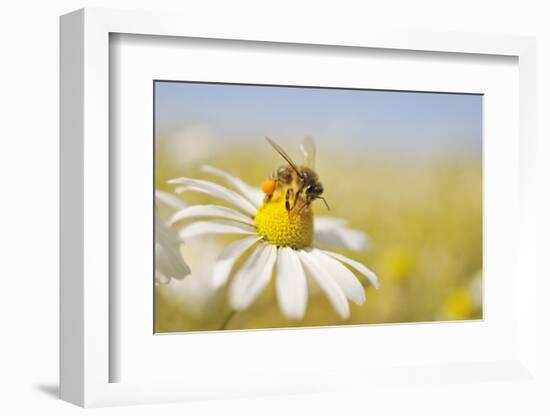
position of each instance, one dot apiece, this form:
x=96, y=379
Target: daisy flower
x=169, y=263
x=275, y=242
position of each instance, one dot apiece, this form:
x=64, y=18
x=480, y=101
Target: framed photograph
x=406, y=166
x=266, y=212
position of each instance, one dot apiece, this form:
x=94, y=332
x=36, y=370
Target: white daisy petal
x=169, y=263
x=333, y=291
x=209, y=211
x=254, y=195
x=228, y=257
x=168, y=260
x=343, y=276
x=199, y=228
x=327, y=221
x=169, y=199
x=369, y=274
x=335, y=232
x=161, y=279
x=217, y=191
x=291, y=285
x=252, y=277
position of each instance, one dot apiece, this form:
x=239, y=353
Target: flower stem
x=228, y=319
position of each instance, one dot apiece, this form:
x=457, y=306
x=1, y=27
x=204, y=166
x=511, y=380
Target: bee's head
x=314, y=190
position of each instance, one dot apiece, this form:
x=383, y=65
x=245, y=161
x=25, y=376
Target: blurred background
x=403, y=167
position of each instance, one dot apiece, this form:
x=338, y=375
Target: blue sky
x=387, y=120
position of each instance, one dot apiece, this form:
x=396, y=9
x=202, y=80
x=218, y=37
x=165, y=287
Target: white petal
x=290, y=284
x=252, y=277
x=169, y=199
x=161, y=279
x=168, y=260
x=209, y=211
x=333, y=291
x=335, y=232
x=217, y=191
x=254, y=195
x=369, y=274
x=228, y=257
x=326, y=221
x=343, y=276
x=215, y=227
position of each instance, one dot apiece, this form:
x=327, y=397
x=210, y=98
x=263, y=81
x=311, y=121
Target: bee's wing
x=286, y=157
x=309, y=150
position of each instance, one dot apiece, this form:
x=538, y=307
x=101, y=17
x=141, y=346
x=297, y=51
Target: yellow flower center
x=284, y=228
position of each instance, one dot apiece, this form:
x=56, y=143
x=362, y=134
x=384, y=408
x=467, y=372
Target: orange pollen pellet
x=268, y=186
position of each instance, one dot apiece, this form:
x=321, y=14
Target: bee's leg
x=288, y=196
x=305, y=203
x=296, y=197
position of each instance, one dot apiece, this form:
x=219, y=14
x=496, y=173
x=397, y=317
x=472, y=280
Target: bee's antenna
x=325, y=201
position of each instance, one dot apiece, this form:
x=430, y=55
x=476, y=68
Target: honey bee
x=301, y=182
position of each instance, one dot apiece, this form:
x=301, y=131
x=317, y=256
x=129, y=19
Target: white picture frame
x=86, y=357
